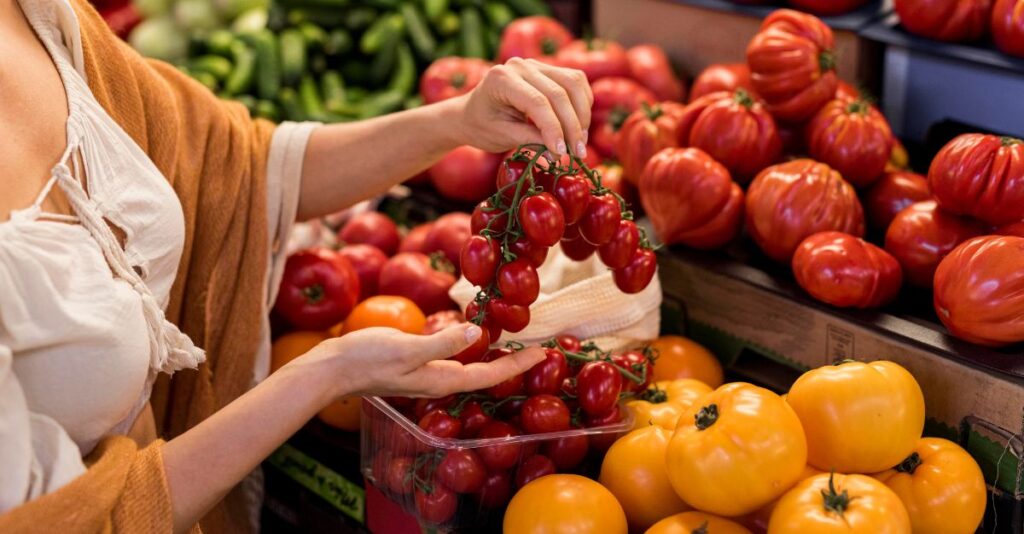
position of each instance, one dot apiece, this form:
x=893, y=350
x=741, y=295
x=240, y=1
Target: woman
x=134, y=203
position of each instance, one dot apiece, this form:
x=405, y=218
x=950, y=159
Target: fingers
x=443, y=344
x=576, y=86
x=531, y=102
x=560, y=101
x=449, y=376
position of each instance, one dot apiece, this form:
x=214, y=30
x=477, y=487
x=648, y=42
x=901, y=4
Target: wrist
x=318, y=380
x=450, y=122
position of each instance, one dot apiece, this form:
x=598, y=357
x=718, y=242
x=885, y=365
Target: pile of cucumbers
x=342, y=60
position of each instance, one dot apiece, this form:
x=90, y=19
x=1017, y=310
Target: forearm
x=205, y=462
x=349, y=162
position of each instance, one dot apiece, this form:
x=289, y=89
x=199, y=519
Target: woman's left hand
x=526, y=101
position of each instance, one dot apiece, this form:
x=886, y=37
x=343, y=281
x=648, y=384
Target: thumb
x=446, y=343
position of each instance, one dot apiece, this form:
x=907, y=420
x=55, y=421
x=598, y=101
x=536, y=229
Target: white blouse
x=82, y=328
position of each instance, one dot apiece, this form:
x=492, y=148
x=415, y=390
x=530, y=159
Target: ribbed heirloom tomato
x=735, y=450
x=859, y=417
x=597, y=58
x=564, y=503
x=941, y=487
x=828, y=7
x=792, y=64
x=721, y=77
x=734, y=129
x=691, y=199
x=649, y=65
x=449, y=77
x=644, y=134
x=945, y=20
x=1008, y=26
x=922, y=234
x=835, y=504
x=890, y=194
x=614, y=99
x=853, y=138
x=533, y=37
x=634, y=471
x=981, y=176
x=679, y=357
x=979, y=290
x=846, y=271
x=691, y=522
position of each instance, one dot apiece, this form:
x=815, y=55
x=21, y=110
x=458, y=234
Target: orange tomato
x=840, y=504
x=557, y=504
x=696, y=522
x=634, y=471
x=343, y=413
x=386, y=310
x=662, y=404
x=292, y=345
x=679, y=357
x=941, y=486
x=758, y=520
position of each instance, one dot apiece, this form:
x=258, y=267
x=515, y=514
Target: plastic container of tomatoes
x=461, y=485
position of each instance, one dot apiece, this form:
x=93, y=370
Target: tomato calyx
x=458, y=80
x=617, y=117
x=858, y=107
x=313, y=293
x=827, y=60
x=1010, y=141
x=653, y=112
x=706, y=417
x=835, y=502
x=742, y=97
x=910, y=464
x=653, y=395
x=548, y=46
x=439, y=262
x=702, y=529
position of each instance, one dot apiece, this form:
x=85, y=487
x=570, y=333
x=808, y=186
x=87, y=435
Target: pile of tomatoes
x=966, y=20
x=485, y=444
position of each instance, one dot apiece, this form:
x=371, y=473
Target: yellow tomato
x=840, y=504
x=696, y=522
x=661, y=414
x=343, y=413
x=564, y=504
x=758, y=520
x=679, y=357
x=663, y=403
x=292, y=345
x=735, y=450
x=386, y=310
x=634, y=471
x=859, y=417
x=684, y=391
x=941, y=486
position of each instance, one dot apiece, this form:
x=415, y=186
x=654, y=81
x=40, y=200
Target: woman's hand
x=385, y=361
x=526, y=101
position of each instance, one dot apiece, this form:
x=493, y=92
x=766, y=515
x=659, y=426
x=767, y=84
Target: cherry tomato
x=547, y=376
x=399, y=475
x=475, y=352
x=635, y=362
x=371, y=228
x=601, y=219
x=638, y=273
x=509, y=317
x=483, y=215
x=509, y=387
x=569, y=342
x=509, y=174
x=567, y=452
x=601, y=442
x=569, y=385
x=439, y=423
x=501, y=456
x=489, y=324
x=422, y=406
x=437, y=506
x=496, y=491
x=479, y=259
x=598, y=385
x=462, y=471
x=532, y=468
x=577, y=249
x=380, y=465
x=618, y=252
x=544, y=413
x=572, y=192
x=541, y=219
x=533, y=252
x=518, y=282
x=473, y=418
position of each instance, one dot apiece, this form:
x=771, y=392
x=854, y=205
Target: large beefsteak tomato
x=564, y=503
x=413, y=275
x=792, y=64
x=853, y=138
x=680, y=357
x=644, y=134
x=827, y=7
x=319, y=287
x=451, y=76
x=1008, y=26
x=696, y=522
x=597, y=58
x=890, y=194
x=922, y=234
x=721, y=77
x=533, y=37
x=945, y=20
x=448, y=234
x=835, y=504
x=649, y=65
x=614, y=100
x=788, y=202
x=691, y=199
x=634, y=471
x=371, y=228
x=846, y=271
x=982, y=176
x=465, y=174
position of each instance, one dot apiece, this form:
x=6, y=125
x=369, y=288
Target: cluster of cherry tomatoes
x=573, y=394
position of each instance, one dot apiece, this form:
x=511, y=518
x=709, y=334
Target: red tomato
x=618, y=252
x=479, y=259
x=413, y=241
x=890, y=194
x=518, y=282
x=638, y=273
x=544, y=413
x=788, y=202
x=597, y=58
x=721, y=77
x=443, y=319
x=465, y=174
x=473, y=418
x=734, y=129
x=532, y=37
x=122, y=18
x=792, y=64
x=690, y=198
x=846, y=271
x=509, y=317
x=945, y=20
x=646, y=132
x=853, y=138
x=922, y=234
x=319, y=288
x=600, y=220
x=422, y=406
x=577, y=249
x=462, y=471
x=614, y=100
x=547, y=376
x=828, y=7
x=483, y=215
x=509, y=387
x=567, y=452
x=1016, y=229
x=532, y=468
x=845, y=91
x=489, y=324
x=1008, y=26
x=448, y=234
x=635, y=362
x=982, y=176
x=496, y=491
x=439, y=423
x=508, y=177
x=572, y=192
x=569, y=342
x=979, y=289
x=371, y=228
x=412, y=275
x=475, y=352
x=451, y=76
x=436, y=506
x=612, y=178
x=398, y=477
x=367, y=260
x=649, y=65
x=598, y=385
x=502, y=455
x=534, y=253
x=541, y=219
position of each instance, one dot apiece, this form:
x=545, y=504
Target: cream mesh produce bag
x=580, y=298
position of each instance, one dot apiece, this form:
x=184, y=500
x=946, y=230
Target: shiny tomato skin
x=649, y=65
x=412, y=275
x=489, y=324
x=465, y=174
x=721, y=77
x=1008, y=26
x=635, y=362
x=541, y=219
x=501, y=456
x=638, y=273
x=518, y=282
x=945, y=20
x=634, y=471
x=600, y=220
x=827, y=7
x=618, y=252
x=439, y=423
x=546, y=377
x=371, y=228
x=790, y=201
x=544, y=413
x=694, y=521
x=461, y=471
x=891, y=194
x=567, y=452
x=486, y=216
x=853, y=138
x=792, y=66
x=564, y=503
x=981, y=176
x=614, y=99
x=571, y=343
x=572, y=192
x=398, y=477
x=597, y=58
x=473, y=418
x=532, y=252
x=319, y=288
x=979, y=290
x=423, y=406
x=475, y=352
x=510, y=317
x=479, y=260
x=612, y=177
x=514, y=385
x=451, y=76
x=448, y=234
x=922, y=234
x=496, y=490
x=413, y=241
x=577, y=249
x=869, y=504
x=645, y=132
x=532, y=468
x=733, y=128
x=437, y=506
x=367, y=260
x=510, y=174
x=846, y=271
x=532, y=37
x=598, y=385
x=691, y=199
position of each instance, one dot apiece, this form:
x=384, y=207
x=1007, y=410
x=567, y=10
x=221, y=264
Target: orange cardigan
x=215, y=157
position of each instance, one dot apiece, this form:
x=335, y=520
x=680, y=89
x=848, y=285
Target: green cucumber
x=387, y=29
x=332, y=88
x=207, y=79
x=419, y=34
x=498, y=13
x=314, y=35
x=472, y=32
x=384, y=63
x=448, y=25
x=433, y=9
x=356, y=72
x=448, y=48
x=403, y=79
x=218, y=66
x=309, y=97
x=266, y=109
x=219, y=42
x=243, y=73
x=526, y=8
x=338, y=42
x=288, y=99
x=293, y=56
x=268, y=64
x=359, y=18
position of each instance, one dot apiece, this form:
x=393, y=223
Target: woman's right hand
x=388, y=362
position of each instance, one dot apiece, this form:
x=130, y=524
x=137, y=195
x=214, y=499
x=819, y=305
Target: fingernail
x=550, y=157
x=581, y=149
x=586, y=137
x=560, y=148
x=473, y=333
